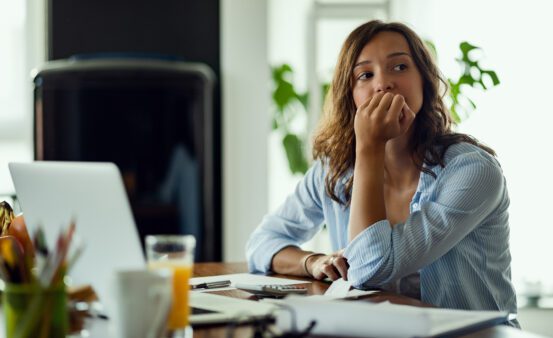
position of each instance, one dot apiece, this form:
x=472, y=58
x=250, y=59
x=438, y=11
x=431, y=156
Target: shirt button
x=415, y=205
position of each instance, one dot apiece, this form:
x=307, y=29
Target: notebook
x=53, y=193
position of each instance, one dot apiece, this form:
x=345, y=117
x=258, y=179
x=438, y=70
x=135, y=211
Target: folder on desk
x=362, y=319
x=207, y=309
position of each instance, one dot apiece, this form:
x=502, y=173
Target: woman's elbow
x=253, y=254
x=364, y=276
x=356, y=281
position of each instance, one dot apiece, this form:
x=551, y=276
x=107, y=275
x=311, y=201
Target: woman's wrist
x=370, y=149
x=306, y=261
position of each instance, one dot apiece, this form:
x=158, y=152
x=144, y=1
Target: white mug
x=143, y=300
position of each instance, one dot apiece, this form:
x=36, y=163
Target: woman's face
x=385, y=64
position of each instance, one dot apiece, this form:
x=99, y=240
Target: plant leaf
x=454, y=114
x=283, y=95
x=304, y=99
x=493, y=76
x=472, y=104
x=466, y=79
x=481, y=81
x=325, y=88
x=466, y=47
x=294, y=152
x=432, y=49
x=279, y=72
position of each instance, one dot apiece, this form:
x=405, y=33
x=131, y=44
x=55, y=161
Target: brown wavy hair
x=432, y=135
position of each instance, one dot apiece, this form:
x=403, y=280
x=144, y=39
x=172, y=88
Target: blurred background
x=245, y=43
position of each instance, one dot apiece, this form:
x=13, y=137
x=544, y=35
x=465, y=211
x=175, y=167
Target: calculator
x=272, y=290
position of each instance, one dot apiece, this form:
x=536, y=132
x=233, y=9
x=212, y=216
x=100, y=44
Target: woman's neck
x=400, y=171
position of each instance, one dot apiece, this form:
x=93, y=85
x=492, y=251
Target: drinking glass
x=33, y=311
x=176, y=253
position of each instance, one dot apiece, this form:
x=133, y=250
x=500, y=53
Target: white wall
x=22, y=33
x=245, y=97
x=287, y=26
x=35, y=55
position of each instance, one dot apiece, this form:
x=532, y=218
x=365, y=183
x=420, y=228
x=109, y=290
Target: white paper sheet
x=244, y=278
x=338, y=289
x=355, y=293
x=341, y=289
x=361, y=319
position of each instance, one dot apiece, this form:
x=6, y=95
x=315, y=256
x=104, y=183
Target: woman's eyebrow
x=391, y=55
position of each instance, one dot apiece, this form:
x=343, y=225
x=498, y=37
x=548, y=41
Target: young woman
x=407, y=201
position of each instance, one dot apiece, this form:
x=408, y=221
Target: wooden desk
x=315, y=288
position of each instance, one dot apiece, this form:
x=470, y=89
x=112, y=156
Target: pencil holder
x=33, y=311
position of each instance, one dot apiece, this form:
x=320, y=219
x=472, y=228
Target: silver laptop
x=51, y=194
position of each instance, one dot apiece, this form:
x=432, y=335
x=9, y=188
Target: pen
x=211, y=285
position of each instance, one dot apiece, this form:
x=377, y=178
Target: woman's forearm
x=367, y=199
x=290, y=261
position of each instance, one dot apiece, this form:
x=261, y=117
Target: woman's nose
x=383, y=84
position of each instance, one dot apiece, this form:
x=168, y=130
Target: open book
x=365, y=319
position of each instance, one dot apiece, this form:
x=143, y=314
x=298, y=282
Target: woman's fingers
x=384, y=104
x=409, y=113
x=371, y=104
x=384, y=117
x=342, y=266
x=333, y=266
x=331, y=271
x=395, y=107
x=407, y=118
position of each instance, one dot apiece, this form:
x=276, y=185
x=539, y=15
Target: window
x=21, y=49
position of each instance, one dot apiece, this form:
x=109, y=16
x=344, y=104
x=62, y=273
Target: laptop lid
x=51, y=194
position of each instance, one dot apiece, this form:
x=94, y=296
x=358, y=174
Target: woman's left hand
x=333, y=266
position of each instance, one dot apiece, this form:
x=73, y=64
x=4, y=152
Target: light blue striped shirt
x=456, y=236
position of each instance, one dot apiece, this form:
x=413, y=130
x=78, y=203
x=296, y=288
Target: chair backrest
x=154, y=119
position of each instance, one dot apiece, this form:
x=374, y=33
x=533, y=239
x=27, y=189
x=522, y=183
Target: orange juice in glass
x=176, y=253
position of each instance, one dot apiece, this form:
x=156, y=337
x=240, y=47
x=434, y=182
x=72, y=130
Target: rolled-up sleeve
x=465, y=192
x=294, y=223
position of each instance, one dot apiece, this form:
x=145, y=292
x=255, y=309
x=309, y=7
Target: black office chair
x=154, y=119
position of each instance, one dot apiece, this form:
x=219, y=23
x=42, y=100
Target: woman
x=402, y=195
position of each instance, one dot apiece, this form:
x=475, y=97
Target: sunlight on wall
x=12, y=40
x=14, y=83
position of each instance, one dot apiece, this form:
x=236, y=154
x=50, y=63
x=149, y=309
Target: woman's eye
x=400, y=67
x=365, y=76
